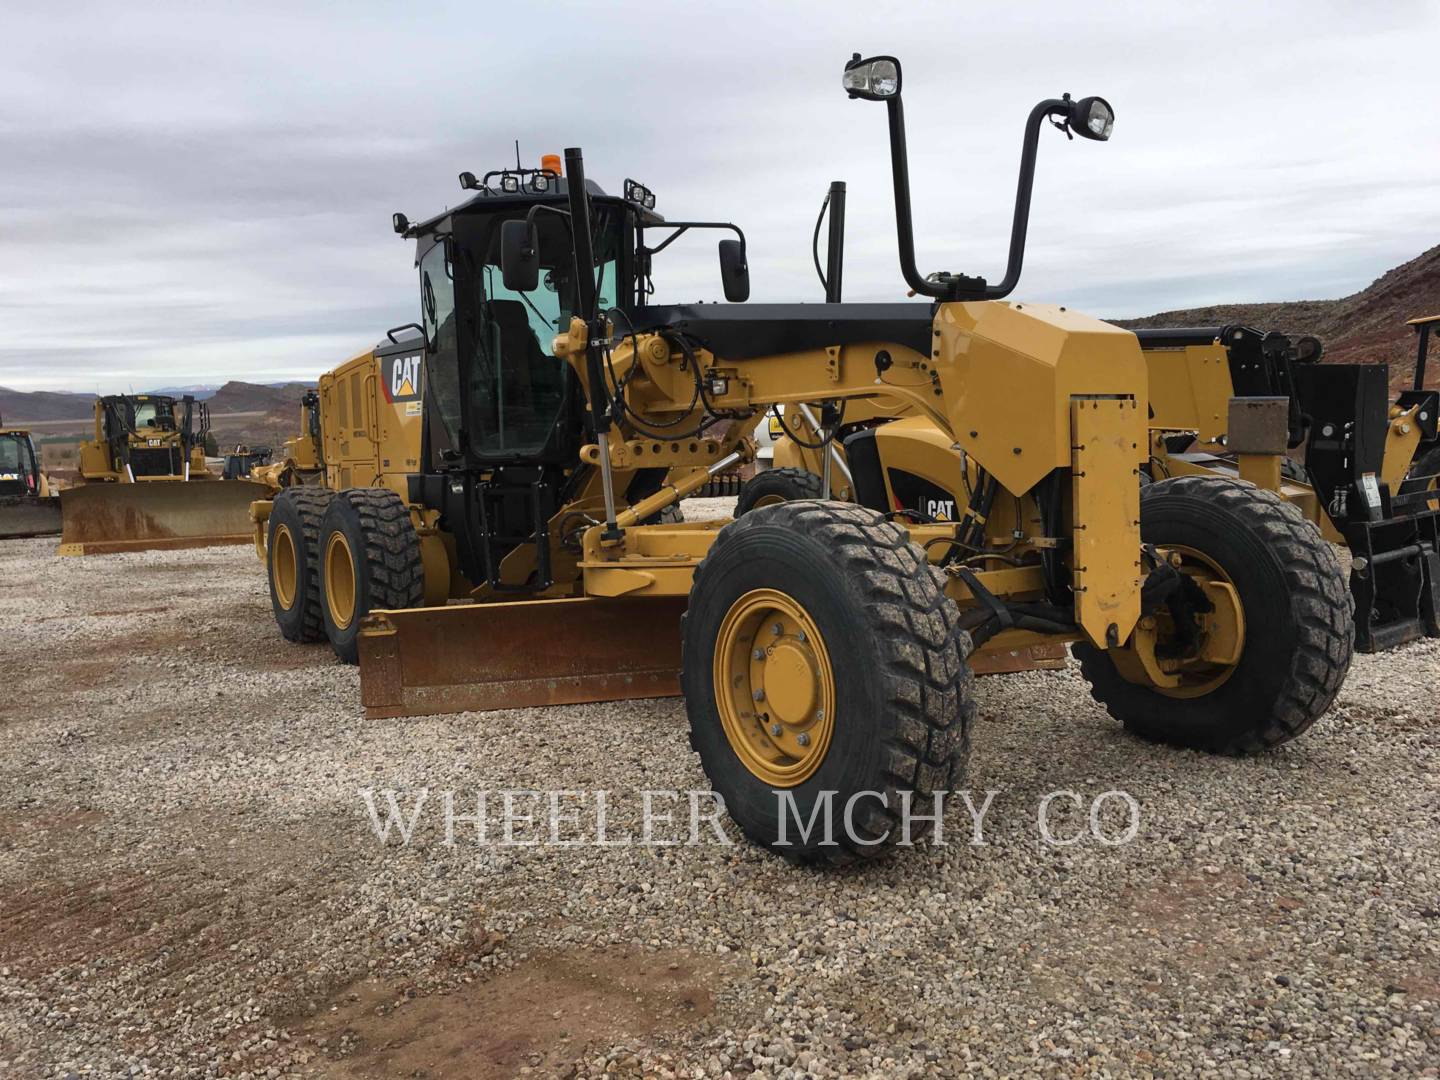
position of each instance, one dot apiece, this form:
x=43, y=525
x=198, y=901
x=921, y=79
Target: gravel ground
x=190, y=884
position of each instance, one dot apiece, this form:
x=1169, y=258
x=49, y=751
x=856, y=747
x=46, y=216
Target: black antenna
x=517, y=155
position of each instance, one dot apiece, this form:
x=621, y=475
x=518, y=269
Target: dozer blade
x=512, y=655
x=29, y=515
x=100, y=519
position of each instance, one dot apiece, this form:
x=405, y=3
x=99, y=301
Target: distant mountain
x=237, y=396
x=19, y=406
x=1366, y=327
x=198, y=392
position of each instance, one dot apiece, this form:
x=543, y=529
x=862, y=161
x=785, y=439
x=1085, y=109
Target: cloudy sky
x=195, y=192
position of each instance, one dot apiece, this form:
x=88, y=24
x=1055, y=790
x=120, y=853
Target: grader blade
x=29, y=515
x=100, y=519
x=513, y=655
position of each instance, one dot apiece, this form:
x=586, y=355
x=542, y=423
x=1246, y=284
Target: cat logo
x=939, y=509
x=404, y=377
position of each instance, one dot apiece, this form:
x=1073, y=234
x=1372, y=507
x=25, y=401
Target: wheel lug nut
x=778, y=628
x=803, y=739
x=819, y=714
x=775, y=729
x=759, y=654
x=759, y=695
x=800, y=636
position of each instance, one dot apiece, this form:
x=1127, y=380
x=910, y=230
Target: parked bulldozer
x=27, y=505
x=823, y=648
x=145, y=482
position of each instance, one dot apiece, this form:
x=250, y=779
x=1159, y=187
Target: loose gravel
x=190, y=884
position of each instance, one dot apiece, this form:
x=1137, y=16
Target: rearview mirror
x=519, y=255
x=734, y=274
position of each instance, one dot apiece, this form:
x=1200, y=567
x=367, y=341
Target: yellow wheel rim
x=1222, y=632
x=768, y=500
x=339, y=580
x=774, y=688
x=283, y=564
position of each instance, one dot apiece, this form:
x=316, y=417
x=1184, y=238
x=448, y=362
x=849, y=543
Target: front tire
x=820, y=655
x=1298, y=621
x=370, y=557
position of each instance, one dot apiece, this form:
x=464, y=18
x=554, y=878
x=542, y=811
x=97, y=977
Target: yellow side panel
x=1190, y=390
x=1009, y=372
x=1106, y=500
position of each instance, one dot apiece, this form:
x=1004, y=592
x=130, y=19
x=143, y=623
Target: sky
x=196, y=192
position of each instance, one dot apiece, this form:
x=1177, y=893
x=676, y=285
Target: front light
x=510, y=183
x=874, y=79
x=1101, y=121
x=1093, y=118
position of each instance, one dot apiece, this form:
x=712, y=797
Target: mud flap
x=100, y=519
x=29, y=515
x=479, y=657
x=1046, y=657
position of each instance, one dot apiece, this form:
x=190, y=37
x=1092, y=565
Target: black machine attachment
x=1394, y=536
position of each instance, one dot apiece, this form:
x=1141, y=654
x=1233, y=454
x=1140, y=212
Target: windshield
x=154, y=414
x=515, y=388
x=11, y=460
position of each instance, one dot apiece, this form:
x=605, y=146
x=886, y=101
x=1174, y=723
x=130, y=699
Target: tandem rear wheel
x=1254, y=635
x=292, y=555
x=774, y=486
x=825, y=678
x=369, y=561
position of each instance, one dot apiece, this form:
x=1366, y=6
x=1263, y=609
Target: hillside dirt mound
x=1367, y=327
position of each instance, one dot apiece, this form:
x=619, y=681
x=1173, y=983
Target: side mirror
x=876, y=78
x=734, y=274
x=519, y=255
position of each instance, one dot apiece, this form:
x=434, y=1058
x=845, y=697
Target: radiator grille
x=155, y=461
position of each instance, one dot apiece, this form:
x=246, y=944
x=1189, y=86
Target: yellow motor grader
x=1367, y=474
x=145, y=483
x=27, y=505
x=823, y=648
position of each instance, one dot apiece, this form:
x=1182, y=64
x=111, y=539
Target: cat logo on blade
x=403, y=383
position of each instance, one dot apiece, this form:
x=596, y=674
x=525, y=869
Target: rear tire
x=775, y=486
x=292, y=561
x=370, y=558
x=1299, y=621
x=893, y=657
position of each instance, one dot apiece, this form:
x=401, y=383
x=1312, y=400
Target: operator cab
x=19, y=471
x=504, y=418
x=498, y=394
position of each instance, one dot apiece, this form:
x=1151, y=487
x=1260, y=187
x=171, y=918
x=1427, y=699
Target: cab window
x=516, y=388
x=442, y=372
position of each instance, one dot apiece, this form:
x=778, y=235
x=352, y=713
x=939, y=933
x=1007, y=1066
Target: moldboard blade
x=479, y=657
